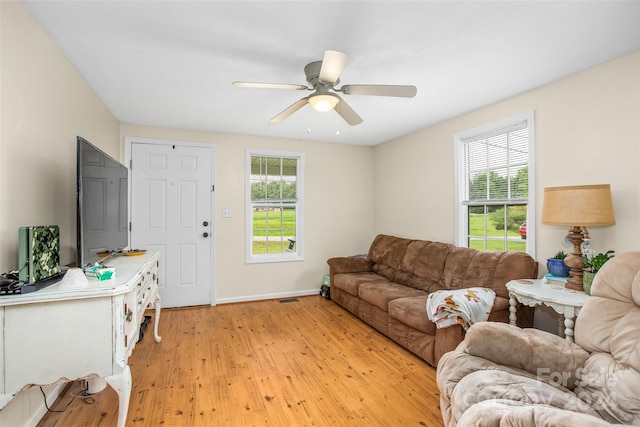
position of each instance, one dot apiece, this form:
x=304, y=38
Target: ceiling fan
x=322, y=78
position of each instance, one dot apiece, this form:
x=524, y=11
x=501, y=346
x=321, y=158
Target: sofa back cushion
x=386, y=252
x=608, y=327
x=466, y=268
x=431, y=266
x=424, y=263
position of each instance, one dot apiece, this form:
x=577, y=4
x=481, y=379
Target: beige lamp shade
x=580, y=205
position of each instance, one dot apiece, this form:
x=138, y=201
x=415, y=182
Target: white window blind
x=496, y=166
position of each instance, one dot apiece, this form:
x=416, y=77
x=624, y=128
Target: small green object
x=587, y=281
x=596, y=262
x=104, y=275
x=560, y=255
x=101, y=273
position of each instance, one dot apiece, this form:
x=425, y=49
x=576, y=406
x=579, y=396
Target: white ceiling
x=171, y=63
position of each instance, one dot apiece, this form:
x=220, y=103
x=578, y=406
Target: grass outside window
x=495, y=238
x=272, y=230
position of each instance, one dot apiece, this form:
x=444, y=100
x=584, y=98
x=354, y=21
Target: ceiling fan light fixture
x=324, y=101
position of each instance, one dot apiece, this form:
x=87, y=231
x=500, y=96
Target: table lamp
x=577, y=207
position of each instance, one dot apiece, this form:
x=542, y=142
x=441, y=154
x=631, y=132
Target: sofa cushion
x=501, y=384
x=467, y=268
x=423, y=264
x=511, y=413
x=350, y=282
x=495, y=341
x=386, y=252
x=412, y=312
x=380, y=293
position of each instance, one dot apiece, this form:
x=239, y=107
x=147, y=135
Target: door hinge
x=129, y=226
x=213, y=187
x=130, y=164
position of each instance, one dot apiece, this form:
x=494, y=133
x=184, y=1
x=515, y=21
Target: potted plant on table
x=593, y=263
x=556, y=265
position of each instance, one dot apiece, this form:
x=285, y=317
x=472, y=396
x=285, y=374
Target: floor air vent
x=282, y=301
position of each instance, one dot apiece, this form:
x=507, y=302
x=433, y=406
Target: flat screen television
x=102, y=196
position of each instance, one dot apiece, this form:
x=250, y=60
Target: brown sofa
x=388, y=289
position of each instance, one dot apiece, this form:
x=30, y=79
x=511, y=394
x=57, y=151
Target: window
x=275, y=208
x=494, y=186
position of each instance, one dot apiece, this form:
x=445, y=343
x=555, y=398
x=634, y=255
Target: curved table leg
x=157, y=304
x=121, y=383
x=568, y=324
x=512, y=310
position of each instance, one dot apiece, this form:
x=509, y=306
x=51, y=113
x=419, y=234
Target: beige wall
x=591, y=120
x=45, y=104
x=587, y=131
x=338, y=210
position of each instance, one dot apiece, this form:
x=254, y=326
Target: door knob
x=205, y=234
x=205, y=223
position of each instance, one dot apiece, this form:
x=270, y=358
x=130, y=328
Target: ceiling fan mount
x=323, y=77
x=312, y=71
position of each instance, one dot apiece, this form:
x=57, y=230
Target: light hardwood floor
x=305, y=362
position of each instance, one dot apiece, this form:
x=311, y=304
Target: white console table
x=59, y=335
x=565, y=302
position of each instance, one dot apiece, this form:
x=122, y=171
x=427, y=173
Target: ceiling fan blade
x=290, y=110
x=333, y=63
x=380, y=90
x=347, y=113
x=269, y=85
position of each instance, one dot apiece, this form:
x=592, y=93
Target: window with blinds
x=494, y=190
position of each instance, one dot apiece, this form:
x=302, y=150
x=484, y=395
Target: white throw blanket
x=460, y=306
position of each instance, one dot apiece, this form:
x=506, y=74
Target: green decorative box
x=38, y=252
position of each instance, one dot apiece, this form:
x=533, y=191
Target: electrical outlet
x=226, y=213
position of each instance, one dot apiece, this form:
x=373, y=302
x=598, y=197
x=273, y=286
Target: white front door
x=171, y=211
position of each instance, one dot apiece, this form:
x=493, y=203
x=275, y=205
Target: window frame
x=461, y=210
x=298, y=254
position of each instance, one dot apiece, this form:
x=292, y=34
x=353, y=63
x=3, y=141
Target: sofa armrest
x=340, y=265
x=549, y=357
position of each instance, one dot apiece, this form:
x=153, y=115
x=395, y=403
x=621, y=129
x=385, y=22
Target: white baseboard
x=41, y=409
x=269, y=296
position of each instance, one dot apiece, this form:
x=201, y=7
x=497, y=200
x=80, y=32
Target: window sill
x=261, y=259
